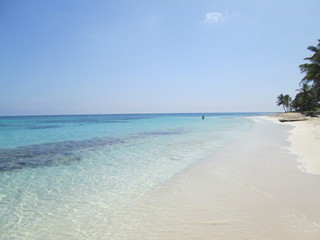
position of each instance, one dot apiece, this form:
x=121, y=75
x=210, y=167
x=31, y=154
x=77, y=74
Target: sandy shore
x=251, y=189
x=305, y=140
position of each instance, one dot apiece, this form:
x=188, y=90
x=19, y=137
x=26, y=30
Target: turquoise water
x=73, y=177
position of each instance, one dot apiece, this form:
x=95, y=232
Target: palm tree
x=285, y=101
x=308, y=96
x=305, y=99
x=312, y=69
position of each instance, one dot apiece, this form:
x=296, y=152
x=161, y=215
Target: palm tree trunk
x=284, y=108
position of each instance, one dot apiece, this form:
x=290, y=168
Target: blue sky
x=145, y=56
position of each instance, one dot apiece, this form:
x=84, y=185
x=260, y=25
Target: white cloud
x=214, y=17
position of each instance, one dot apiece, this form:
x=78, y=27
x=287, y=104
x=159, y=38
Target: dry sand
x=250, y=190
x=305, y=140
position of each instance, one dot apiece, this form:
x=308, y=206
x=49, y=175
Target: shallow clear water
x=73, y=177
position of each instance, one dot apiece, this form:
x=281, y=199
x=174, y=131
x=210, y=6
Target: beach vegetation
x=308, y=97
x=312, y=69
x=305, y=100
x=285, y=101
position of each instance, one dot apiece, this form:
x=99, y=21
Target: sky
x=148, y=56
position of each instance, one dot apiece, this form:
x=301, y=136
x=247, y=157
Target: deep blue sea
x=72, y=177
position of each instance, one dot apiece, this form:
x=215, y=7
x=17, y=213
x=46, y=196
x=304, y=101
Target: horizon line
x=156, y=113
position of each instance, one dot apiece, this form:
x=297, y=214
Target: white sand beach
x=252, y=189
x=304, y=139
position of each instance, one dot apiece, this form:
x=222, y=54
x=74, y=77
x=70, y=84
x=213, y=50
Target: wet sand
x=305, y=139
x=251, y=189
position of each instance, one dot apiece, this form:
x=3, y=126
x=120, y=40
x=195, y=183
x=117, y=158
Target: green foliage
x=285, y=101
x=312, y=69
x=305, y=100
x=308, y=96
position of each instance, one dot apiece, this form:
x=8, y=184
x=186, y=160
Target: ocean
x=75, y=177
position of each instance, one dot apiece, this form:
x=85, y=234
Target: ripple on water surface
x=81, y=189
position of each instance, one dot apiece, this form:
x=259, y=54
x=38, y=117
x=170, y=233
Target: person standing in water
x=202, y=117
